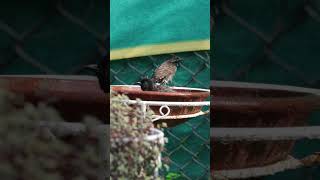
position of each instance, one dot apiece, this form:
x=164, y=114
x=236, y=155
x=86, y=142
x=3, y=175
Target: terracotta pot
x=256, y=105
x=180, y=95
x=73, y=96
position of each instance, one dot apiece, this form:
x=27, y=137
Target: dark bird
x=147, y=84
x=102, y=75
x=166, y=71
x=101, y=71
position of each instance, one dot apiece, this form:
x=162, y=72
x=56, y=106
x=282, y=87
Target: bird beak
x=178, y=61
x=137, y=83
x=93, y=67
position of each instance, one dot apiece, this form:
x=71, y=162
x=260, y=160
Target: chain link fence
x=280, y=42
x=270, y=42
x=188, y=149
x=51, y=37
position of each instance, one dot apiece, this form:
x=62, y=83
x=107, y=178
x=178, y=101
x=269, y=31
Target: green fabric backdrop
x=140, y=22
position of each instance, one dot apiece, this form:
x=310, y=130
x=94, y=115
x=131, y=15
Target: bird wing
x=164, y=72
x=160, y=74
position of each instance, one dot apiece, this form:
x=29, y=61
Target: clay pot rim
x=73, y=96
x=195, y=92
x=60, y=86
x=58, y=77
x=309, y=97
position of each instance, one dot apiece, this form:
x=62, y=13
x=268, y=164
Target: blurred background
x=270, y=41
x=51, y=37
x=60, y=37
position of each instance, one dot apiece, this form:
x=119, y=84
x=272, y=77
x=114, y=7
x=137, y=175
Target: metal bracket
x=165, y=110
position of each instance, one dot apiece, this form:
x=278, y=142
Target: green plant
x=172, y=176
x=131, y=156
x=28, y=151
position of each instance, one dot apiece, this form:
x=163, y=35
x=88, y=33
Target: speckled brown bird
x=166, y=71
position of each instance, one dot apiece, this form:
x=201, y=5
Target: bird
x=147, y=84
x=101, y=71
x=102, y=75
x=166, y=71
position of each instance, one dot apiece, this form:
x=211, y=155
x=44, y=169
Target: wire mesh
x=187, y=151
x=284, y=43
x=270, y=42
x=51, y=37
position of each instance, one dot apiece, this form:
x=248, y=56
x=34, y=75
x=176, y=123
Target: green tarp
x=140, y=27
